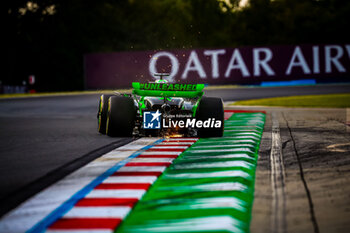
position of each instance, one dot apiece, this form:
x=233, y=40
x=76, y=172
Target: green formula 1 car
x=161, y=109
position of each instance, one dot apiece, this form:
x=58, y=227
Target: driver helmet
x=161, y=81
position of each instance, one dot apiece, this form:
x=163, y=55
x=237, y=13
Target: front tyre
x=121, y=116
x=209, y=108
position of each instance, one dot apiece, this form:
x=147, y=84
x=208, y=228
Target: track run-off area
x=155, y=185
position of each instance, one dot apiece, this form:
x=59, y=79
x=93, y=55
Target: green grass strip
x=311, y=101
x=56, y=94
x=208, y=188
x=69, y=93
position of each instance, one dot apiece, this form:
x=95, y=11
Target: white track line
x=228, y=141
x=130, y=179
x=213, y=165
x=170, y=147
x=222, y=150
x=209, y=175
x=177, y=143
x=97, y=212
x=198, y=224
x=150, y=160
x=203, y=203
x=181, y=139
x=224, y=186
x=116, y=193
x=143, y=168
x=222, y=146
x=161, y=153
x=225, y=156
x=277, y=179
x=243, y=137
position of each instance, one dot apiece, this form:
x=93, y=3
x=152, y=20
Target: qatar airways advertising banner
x=246, y=65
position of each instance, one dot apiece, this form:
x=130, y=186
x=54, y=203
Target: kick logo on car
x=151, y=120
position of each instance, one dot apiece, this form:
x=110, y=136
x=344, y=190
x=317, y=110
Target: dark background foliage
x=51, y=44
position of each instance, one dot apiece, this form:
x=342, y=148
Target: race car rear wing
x=168, y=90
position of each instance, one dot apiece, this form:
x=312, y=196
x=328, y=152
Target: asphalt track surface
x=43, y=139
x=303, y=172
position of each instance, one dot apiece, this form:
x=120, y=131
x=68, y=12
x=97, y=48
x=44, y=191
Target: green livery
x=125, y=115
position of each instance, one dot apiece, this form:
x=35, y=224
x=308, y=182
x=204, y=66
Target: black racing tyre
x=121, y=116
x=102, y=113
x=210, y=107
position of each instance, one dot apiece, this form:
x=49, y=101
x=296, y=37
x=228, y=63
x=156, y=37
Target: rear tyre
x=121, y=116
x=210, y=107
x=102, y=113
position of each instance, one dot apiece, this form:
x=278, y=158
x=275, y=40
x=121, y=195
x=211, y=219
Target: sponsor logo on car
x=151, y=120
x=192, y=123
x=168, y=87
